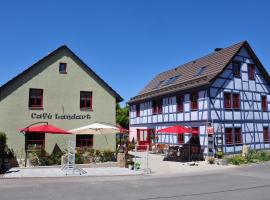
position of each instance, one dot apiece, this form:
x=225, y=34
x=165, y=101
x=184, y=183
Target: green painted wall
x=61, y=93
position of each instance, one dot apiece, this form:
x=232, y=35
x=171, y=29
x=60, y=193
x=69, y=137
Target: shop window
x=138, y=110
x=35, y=140
x=84, y=141
x=36, y=98
x=251, y=71
x=228, y=136
x=236, y=101
x=227, y=100
x=157, y=107
x=180, y=138
x=236, y=68
x=265, y=134
x=62, y=68
x=194, y=101
x=180, y=103
x=264, y=103
x=86, y=100
x=237, y=136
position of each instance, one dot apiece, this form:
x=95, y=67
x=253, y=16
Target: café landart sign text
x=59, y=116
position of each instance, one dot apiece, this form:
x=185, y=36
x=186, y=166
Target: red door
x=144, y=138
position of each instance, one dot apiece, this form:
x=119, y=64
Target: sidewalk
x=160, y=167
x=57, y=172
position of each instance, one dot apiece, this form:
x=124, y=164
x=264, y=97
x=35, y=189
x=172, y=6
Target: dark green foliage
x=122, y=116
x=237, y=160
x=3, y=140
x=253, y=156
x=92, y=155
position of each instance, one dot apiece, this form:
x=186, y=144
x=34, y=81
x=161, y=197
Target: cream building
x=62, y=90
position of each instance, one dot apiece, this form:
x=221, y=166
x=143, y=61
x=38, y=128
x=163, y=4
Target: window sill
x=234, y=144
x=62, y=72
x=237, y=76
x=86, y=109
x=36, y=108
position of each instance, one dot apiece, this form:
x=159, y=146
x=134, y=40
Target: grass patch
x=253, y=156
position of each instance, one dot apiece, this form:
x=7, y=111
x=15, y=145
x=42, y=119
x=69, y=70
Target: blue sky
x=128, y=42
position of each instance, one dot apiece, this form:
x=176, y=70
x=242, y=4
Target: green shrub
x=3, y=141
x=219, y=154
x=211, y=160
x=237, y=160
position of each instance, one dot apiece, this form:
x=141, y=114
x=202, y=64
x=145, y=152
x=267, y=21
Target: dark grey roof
x=85, y=66
x=192, y=75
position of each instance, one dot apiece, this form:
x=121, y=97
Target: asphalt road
x=249, y=182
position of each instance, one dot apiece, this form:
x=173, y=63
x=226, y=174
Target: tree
x=122, y=116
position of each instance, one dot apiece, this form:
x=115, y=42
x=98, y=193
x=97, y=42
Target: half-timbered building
x=227, y=90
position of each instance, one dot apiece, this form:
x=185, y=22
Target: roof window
x=159, y=84
x=201, y=71
x=171, y=80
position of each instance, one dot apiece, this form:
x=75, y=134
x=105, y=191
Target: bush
x=211, y=161
x=3, y=141
x=219, y=154
x=237, y=160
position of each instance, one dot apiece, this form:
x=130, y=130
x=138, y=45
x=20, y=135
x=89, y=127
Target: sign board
x=49, y=116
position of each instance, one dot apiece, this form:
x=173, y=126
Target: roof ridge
x=215, y=62
x=207, y=55
x=64, y=47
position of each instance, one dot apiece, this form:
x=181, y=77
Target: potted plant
x=219, y=154
x=211, y=161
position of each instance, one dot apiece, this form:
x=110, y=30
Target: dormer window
x=63, y=68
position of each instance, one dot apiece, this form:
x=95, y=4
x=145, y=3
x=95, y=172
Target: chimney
x=218, y=49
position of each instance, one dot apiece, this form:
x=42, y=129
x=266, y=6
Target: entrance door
x=144, y=138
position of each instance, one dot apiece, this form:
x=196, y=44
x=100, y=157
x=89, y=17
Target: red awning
x=175, y=130
x=44, y=129
x=178, y=130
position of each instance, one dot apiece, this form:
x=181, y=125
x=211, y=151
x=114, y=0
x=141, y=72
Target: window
x=264, y=103
x=194, y=101
x=63, y=68
x=227, y=100
x=84, y=140
x=237, y=139
x=157, y=107
x=251, y=71
x=236, y=101
x=180, y=138
x=228, y=136
x=86, y=100
x=180, y=103
x=138, y=110
x=158, y=85
x=232, y=100
x=35, y=140
x=36, y=98
x=236, y=68
x=237, y=136
x=265, y=134
x=201, y=71
x=171, y=80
